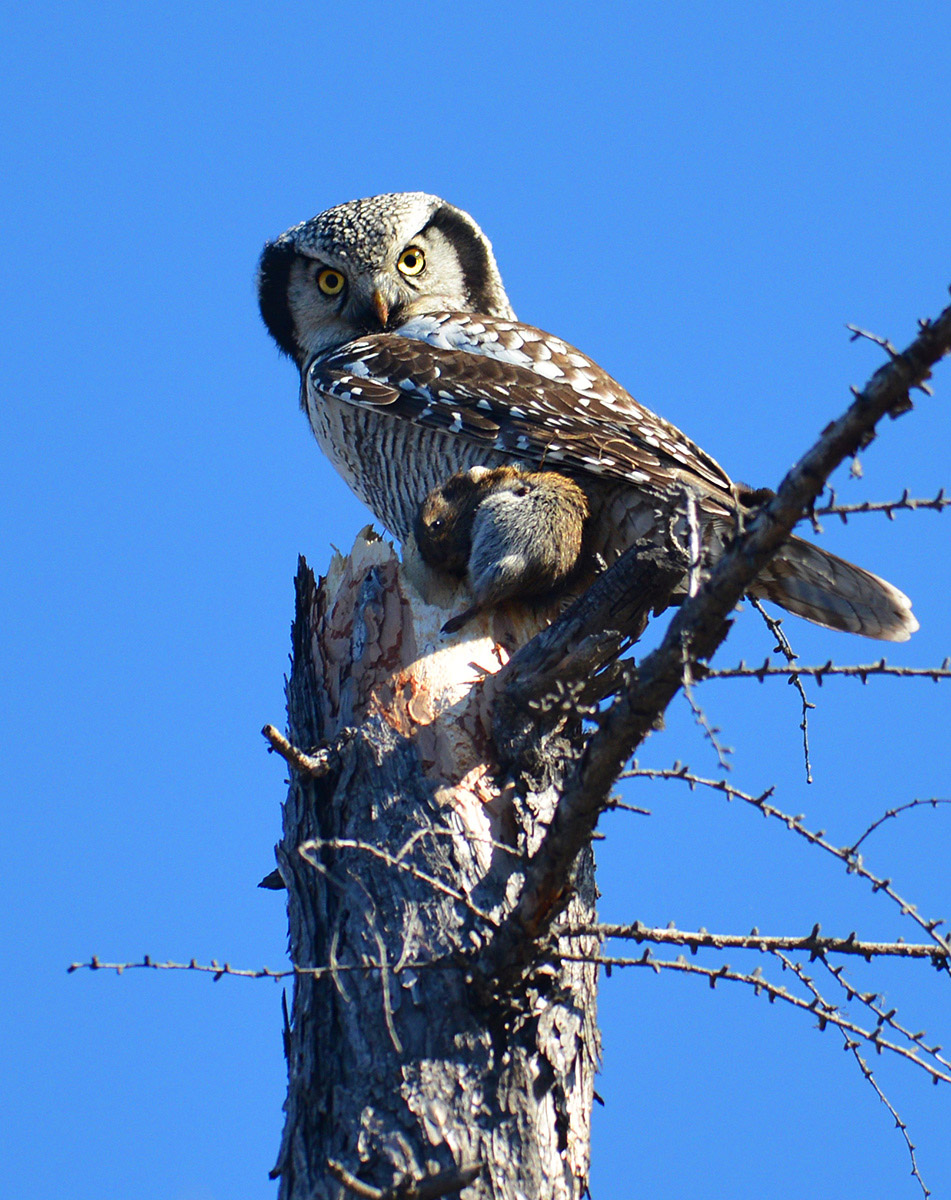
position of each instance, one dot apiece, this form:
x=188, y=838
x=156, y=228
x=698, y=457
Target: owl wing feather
x=519, y=391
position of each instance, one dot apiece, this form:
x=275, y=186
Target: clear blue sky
x=700, y=196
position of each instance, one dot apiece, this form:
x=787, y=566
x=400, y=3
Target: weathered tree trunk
x=403, y=1063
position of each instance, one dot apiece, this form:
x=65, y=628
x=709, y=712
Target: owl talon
x=454, y=624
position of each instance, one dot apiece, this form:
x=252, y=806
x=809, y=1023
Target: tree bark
x=404, y=1065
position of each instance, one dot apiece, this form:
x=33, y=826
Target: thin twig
x=710, y=732
x=775, y=626
x=305, y=850
x=759, y=983
x=385, y=985
x=899, y=1123
x=853, y=862
x=893, y=812
x=219, y=970
x=430, y=1187
x=888, y=507
x=892, y=351
x=365, y=1190
x=853, y=1046
x=622, y=806
x=434, y=1186
x=863, y=671
x=813, y=944
x=882, y=1015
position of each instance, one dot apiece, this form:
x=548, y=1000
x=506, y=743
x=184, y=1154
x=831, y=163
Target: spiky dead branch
x=693, y=635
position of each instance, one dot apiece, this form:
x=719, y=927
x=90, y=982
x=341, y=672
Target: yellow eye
x=330, y=282
x=411, y=261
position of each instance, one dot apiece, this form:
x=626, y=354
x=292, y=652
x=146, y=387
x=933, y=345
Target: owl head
x=369, y=265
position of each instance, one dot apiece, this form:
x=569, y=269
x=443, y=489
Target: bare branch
x=863, y=671
x=888, y=507
x=775, y=626
x=813, y=944
x=682, y=771
x=893, y=812
x=698, y=628
x=853, y=862
x=826, y=1015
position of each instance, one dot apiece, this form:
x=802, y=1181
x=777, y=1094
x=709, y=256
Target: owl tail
x=830, y=591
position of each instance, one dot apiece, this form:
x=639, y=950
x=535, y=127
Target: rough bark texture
x=398, y=865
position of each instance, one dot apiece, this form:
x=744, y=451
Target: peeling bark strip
x=408, y=852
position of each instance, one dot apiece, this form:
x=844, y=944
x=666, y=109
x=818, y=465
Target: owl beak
x=380, y=307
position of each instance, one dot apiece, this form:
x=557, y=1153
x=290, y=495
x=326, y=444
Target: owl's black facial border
x=274, y=272
x=471, y=249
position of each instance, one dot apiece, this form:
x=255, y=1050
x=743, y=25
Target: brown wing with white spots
x=518, y=391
